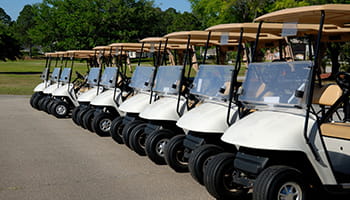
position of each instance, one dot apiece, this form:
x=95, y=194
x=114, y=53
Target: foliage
x=9, y=47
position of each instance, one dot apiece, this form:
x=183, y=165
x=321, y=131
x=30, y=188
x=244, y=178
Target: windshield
x=213, y=81
x=93, y=76
x=109, y=76
x=44, y=74
x=142, y=78
x=55, y=74
x=168, y=79
x=65, y=75
x=275, y=83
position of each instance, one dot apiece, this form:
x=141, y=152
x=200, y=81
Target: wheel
x=75, y=112
x=36, y=100
x=101, y=123
x=87, y=119
x=60, y=109
x=127, y=131
x=43, y=102
x=117, y=129
x=80, y=116
x=279, y=182
x=174, y=154
x=155, y=144
x=137, y=139
x=218, y=178
x=199, y=158
x=51, y=105
x=31, y=101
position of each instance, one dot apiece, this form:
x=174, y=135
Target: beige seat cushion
x=326, y=95
x=338, y=130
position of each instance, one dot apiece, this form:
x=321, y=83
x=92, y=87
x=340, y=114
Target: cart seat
x=337, y=130
x=326, y=95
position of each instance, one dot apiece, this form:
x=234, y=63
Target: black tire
x=80, y=116
x=61, y=109
x=101, y=123
x=40, y=102
x=51, y=105
x=137, y=139
x=87, y=119
x=117, y=130
x=31, y=101
x=174, y=154
x=218, y=178
x=155, y=143
x=127, y=131
x=43, y=103
x=75, y=112
x=276, y=180
x=199, y=158
x=36, y=100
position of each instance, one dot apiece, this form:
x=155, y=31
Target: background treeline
x=82, y=24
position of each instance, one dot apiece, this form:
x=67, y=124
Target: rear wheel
x=101, y=124
x=36, y=100
x=279, y=182
x=116, y=130
x=127, y=131
x=137, y=139
x=174, y=154
x=31, y=101
x=199, y=158
x=60, y=109
x=87, y=119
x=218, y=178
x=44, y=103
x=155, y=145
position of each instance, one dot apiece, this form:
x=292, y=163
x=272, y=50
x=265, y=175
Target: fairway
x=21, y=77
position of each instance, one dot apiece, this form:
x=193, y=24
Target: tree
x=24, y=23
x=9, y=48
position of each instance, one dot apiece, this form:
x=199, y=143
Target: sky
x=13, y=7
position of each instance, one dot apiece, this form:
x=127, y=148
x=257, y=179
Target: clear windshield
x=168, y=79
x=109, y=76
x=65, y=75
x=213, y=81
x=142, y=78
x=275, y=83
x=55, y=74
x=93, y=76
x=44, y=74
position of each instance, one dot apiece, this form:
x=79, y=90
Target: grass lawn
x=21, y=77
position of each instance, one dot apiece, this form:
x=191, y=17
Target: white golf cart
x=298, y=137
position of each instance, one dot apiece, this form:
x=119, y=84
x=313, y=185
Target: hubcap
x=290, y=191
x=105, y=125
x=161, y=145
x=61, y=109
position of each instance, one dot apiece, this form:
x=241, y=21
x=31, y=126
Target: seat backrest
x=337, y=130
x=326, y=95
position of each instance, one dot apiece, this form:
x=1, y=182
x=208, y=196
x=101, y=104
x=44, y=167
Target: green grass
x=19, y=79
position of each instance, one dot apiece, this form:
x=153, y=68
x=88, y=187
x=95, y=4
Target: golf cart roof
x=337, y=14
x=80, y=53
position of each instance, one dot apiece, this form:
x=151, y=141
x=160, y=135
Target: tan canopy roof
x=335, y=14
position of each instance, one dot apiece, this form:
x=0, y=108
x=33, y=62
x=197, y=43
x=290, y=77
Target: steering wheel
x=79, y=75
x=343, y=80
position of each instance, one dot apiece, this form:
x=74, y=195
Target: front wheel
x=60, y=109
x=218, y=178
x=199, y=159
x=279, y=182
x=101, y=124
x=87, y=119
x=116, y=130
x=75, y=112
x=137, y=139
x=156, y=143
x=127, y=131
x=175, y=154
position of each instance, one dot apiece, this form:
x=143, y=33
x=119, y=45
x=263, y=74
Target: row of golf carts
x=281, y=132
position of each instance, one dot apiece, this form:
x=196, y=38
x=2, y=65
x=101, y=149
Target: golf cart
x=297, y=138
x=64, y=98
x=141, y=82
x=38, y=90
x=93, y=84
x=105, y=107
